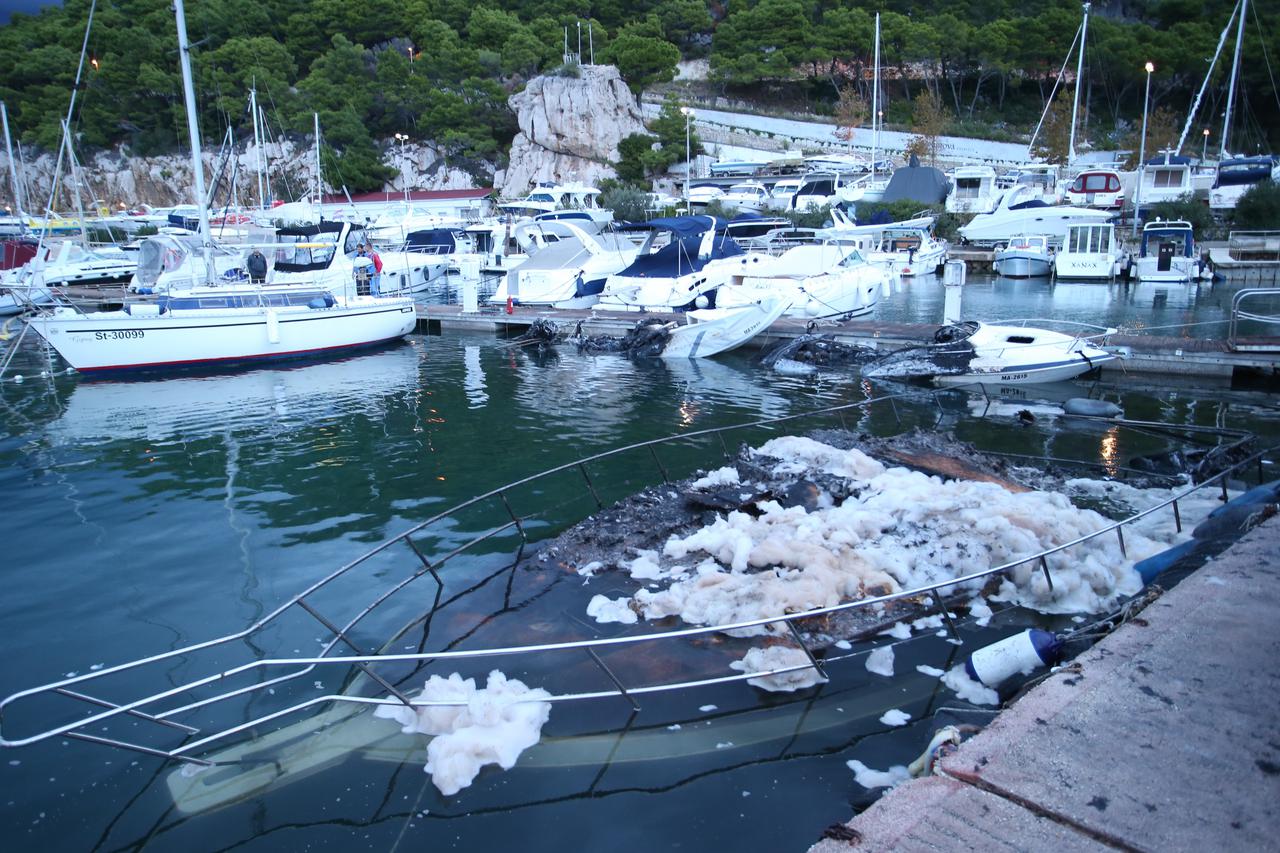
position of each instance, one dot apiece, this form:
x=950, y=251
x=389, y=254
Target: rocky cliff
x=118, y=179
x=569, y=128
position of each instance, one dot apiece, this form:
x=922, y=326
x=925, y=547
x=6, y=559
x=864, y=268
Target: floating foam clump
x=968, y=689
x=868, y=778
x=727, y=476
x=779, y=657
x=880, y=661
x=895, y=717
x=604, y=609
x=489, y=726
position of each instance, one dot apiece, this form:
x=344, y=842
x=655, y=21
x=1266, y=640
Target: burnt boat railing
x=102, y=710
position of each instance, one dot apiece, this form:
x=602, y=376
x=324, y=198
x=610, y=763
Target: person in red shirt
x=375, y=282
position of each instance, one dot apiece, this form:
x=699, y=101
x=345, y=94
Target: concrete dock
x=1164, y=736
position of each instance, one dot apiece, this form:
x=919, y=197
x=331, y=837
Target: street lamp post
x=1204, y=149
x=401, y=139
x=1142, y=148
x=688, y=158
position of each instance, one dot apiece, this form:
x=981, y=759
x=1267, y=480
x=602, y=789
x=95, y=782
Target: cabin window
x=1167, y=178
x=220, y=302
x=968, y=187
x=1020, y=339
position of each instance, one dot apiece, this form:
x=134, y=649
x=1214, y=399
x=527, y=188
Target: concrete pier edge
x=1164, y=736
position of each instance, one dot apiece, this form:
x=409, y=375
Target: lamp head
x=1150, y=66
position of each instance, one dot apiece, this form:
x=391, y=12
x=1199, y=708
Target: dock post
x=953, y=275
x=470, y=295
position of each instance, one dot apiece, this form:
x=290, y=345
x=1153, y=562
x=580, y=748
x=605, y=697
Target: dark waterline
x=142, y=516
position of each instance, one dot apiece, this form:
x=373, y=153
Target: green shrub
x=1259, y=207
x=1189, y=209
x=627, y=202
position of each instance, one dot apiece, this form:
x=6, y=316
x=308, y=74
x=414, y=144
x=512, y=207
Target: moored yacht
x=568, y=268
x=974, y=191
x=819, y=280
x=550, y=197
x=1100, y=188
x=681, y=273
x=1089, y=252
x=1167, y=253
x=1027, y=256
x=1237, y=176
x=1020, y=212
x=909, y=250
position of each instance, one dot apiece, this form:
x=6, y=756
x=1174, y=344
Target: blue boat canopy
x=1244, y=170
x=1169, y=160
x=682, y=226
x=680, y=257
x=442, y=241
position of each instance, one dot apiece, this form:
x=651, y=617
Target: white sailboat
x=214, y=323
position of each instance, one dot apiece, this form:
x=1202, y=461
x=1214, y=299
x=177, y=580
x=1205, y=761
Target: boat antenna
x=875, y=103
x=1231, y=89
x=193, y=130
x=1195, y=105
x=1075, y=103
x=319, y=173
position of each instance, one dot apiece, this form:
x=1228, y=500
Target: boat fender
x=1092, y=408
x=1150, y=568
x=1022, y=653
x=273, y=327
x=702, y=302
x=1237, y=520
x=318, y=303
x=1266, y=493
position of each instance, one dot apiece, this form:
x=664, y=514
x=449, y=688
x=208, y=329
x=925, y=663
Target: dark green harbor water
x=141, y=516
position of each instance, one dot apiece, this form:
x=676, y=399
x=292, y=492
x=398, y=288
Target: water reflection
x=192, y=407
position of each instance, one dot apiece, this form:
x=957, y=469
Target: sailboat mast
x=1075, y=103
x=319, y=178
x=1231, y=90
x=257, y=147
x=193, y=130
x=875, y=103
x=18, y=201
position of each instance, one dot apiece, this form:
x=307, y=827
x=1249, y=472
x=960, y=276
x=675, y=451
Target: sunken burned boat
x=972, y=352
x=655, y=629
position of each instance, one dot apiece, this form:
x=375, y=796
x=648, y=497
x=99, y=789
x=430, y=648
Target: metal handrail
x=307, y=664
x=1238, y=314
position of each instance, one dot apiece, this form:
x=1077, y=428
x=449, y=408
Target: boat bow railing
x=159, y=708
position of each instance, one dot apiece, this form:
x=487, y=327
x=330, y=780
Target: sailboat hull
x=116, y=340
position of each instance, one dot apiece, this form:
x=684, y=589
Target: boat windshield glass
x=312, y=251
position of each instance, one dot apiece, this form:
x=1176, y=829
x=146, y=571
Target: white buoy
x=1022, y=653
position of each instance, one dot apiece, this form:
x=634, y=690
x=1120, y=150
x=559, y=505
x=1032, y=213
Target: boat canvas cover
x=1244, y=170
x=163, y=253
x=438, y=240
x=680, y=257
x=924, y=184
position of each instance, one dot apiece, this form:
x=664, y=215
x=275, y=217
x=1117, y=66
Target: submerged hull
x=116, y=340
x=1033, y=374
x=717, y=330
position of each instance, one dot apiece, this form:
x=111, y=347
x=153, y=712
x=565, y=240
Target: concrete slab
x=1167, y=736
x=944, y=814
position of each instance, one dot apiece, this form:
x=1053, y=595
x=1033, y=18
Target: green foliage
x=628, y=203
x=1259, y=207
x=814, y=217
x=642, y=60
x=1189, y=209
x=631, y=153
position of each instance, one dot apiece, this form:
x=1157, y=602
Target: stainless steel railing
x=276, y=671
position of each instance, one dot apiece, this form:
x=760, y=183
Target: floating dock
x=1147, y=353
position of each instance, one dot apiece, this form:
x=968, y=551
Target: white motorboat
x=1167, y=253
x=783, y=191
x=1027, y=256
x=909, y=250
x=750, y=196
x=397, y=222
x=552, y=197
x=1100, y=188
x=975, y=190
x=1019, y=212
x=680, y=274
x=70, y=263
x=709, y=331
x=1039, y=181
x=1237, y=176
x=1089, y=252
x=568, y=269
x=972, y=353
x=819, y=190
x=736, y=168
x=701, y=195
x=819, y=280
